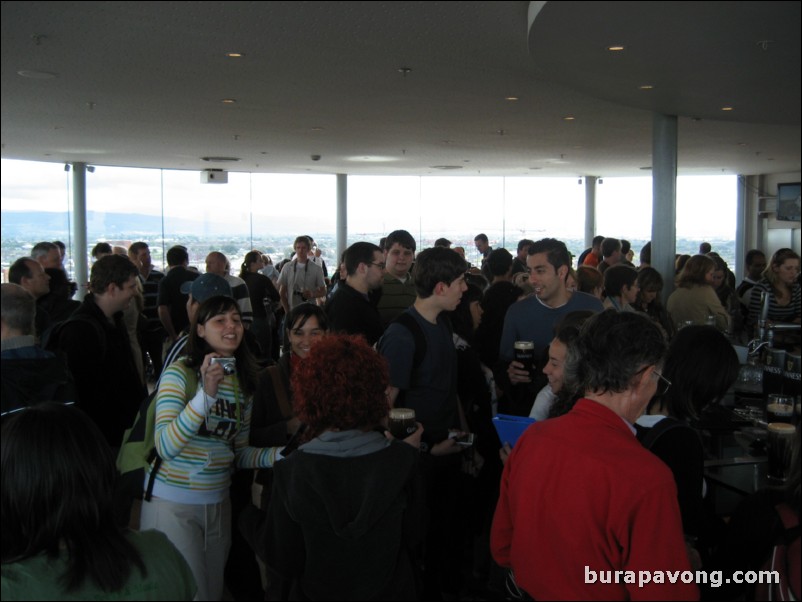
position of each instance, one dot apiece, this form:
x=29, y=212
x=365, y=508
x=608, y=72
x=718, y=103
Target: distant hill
x=45, y=224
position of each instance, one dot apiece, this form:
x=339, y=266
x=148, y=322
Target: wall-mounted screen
x=788, y=207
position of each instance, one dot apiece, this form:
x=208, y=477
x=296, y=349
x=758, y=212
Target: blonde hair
x=779, y=258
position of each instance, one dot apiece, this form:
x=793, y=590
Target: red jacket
x=580, y=497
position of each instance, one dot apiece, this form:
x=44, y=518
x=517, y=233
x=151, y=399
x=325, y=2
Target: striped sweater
x=777, y=312
x=199, y=450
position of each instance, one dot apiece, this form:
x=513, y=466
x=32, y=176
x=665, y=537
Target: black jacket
x=350, y=312
x=101, y=361
x=347, y=528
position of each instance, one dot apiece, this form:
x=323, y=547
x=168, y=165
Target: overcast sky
x=427, y=205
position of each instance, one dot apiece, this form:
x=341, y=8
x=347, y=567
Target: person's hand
x=518, y=373
x=413, y=439
x=505, y=452
x=448, y=446
x=212, y=375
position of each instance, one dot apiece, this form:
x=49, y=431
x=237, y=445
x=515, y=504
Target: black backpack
x=408, y=321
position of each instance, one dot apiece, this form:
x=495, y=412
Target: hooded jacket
x=344, y=521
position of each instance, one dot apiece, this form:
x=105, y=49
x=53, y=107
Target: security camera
x=315, y=157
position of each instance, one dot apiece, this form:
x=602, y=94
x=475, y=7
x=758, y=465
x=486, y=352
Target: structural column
x=740, y=229
x=590, y=209
x=79, y=256
x=664, y=198
x=342, y=215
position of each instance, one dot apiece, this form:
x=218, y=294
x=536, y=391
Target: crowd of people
x=273, y=473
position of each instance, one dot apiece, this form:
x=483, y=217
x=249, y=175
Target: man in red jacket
x=585, y=512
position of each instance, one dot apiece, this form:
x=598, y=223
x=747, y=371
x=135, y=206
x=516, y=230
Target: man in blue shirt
x=533, y=319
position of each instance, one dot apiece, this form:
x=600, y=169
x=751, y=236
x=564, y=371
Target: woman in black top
x=263, y=295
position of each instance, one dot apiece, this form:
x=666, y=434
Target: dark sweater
x=101, y=361
x=351, y=312
x=346, y=528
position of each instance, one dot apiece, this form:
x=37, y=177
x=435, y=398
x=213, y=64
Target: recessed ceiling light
x=235, y=55
x=511, y=98
x=726, y=108
x=446, y=167
x=569, y=118
x=229, y=101
x=317, y=129
x=615, y=48
x=647, y=168
x=372, y=159
x=646, y=87
x=31, y=74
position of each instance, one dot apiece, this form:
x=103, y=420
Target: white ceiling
x=142, y=83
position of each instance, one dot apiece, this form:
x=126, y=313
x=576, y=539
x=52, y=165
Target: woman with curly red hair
x=345, y=514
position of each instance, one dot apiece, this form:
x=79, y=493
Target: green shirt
x=396, y=297
x=168, y=575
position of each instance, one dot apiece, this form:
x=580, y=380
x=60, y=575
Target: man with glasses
x=584, y=482
x=351, y=309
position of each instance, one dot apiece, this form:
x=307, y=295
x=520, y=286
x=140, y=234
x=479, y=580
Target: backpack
x=785, y=560
x=263, y=477
x=138, y=449
x=408, y=321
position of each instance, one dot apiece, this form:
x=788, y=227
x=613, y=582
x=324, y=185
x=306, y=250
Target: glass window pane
x=545, y=208
x=207, y=217
x=285, y=206
x=123, y=205
x=35, y=207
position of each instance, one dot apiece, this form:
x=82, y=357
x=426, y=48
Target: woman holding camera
x=201, y=431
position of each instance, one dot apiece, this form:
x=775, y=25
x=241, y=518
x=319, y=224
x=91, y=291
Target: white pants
x=202, y=533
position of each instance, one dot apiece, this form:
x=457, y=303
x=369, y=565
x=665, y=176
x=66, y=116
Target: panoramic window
x=267, y=211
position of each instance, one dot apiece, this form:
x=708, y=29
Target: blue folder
x=509, y=428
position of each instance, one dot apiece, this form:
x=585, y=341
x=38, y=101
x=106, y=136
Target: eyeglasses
x=662, y=384
x=381, y=265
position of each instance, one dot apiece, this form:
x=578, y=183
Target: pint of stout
x=525, y=353
x=781, y=437
x=780, y=408
x=401, y=423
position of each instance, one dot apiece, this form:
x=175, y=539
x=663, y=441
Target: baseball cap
x=206, y=286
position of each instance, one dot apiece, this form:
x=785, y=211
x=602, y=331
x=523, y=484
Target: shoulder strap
x=153, y=457
x=408, y=321
x=281, y=392
x=659, y=429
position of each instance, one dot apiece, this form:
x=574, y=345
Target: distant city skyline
x=286, y=204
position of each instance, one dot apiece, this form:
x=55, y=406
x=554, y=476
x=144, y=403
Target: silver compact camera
x=229, y=364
